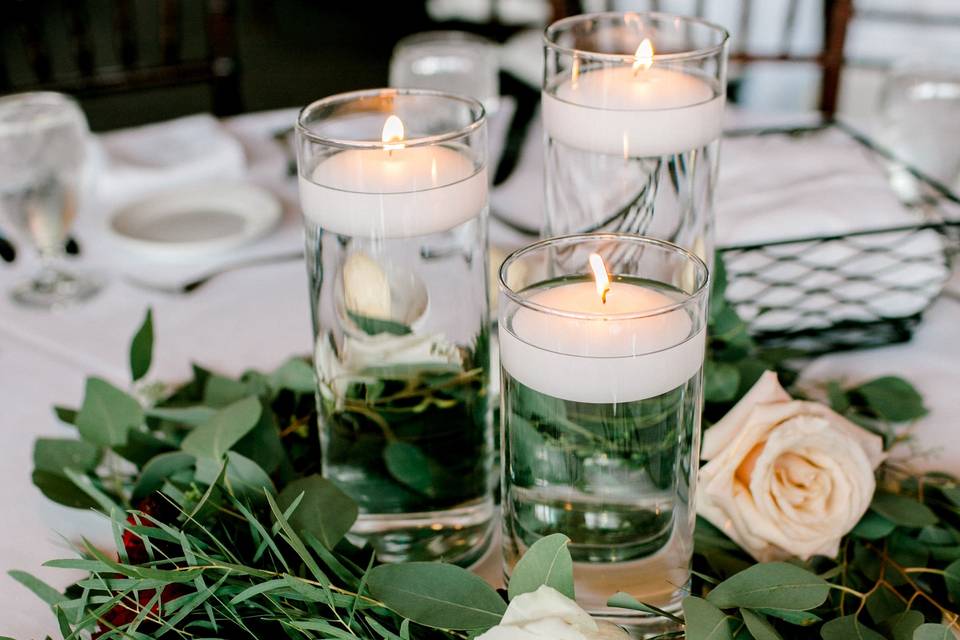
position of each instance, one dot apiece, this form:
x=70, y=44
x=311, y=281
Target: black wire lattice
x=849, y=291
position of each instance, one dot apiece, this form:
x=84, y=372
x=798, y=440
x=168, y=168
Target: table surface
x=257, y=318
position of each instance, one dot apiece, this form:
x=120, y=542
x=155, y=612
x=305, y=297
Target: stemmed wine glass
x=42, y=157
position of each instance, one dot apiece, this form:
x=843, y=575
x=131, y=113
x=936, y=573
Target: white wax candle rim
x=478, y=166
x=554, y=84
x=693, y=335
x=562, y=28
x=522, y=298
x=306, y=122
x=411, y=141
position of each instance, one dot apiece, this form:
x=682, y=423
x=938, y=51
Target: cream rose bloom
x=547, y=614
x=786, y=477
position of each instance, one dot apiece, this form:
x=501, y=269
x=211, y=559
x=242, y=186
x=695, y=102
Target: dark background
x=290, y=51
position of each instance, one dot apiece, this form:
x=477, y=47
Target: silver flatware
x=196, y=283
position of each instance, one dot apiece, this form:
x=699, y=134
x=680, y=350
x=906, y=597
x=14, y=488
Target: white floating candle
x=596, y=356
x=638, y=111
x=394, y=191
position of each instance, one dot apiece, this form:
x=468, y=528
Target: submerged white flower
x=366, y=289
x=548, y=614
x=360, y=354
x=786, y=477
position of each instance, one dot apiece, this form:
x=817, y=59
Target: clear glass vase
x=632, y=108
x=601, y=401
x=393, y=188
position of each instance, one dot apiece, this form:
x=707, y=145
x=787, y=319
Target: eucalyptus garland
x=224, y=528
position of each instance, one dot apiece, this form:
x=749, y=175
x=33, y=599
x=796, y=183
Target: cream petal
x=810, y=484
x=547, y=602
x=852, y=484
x=766, y=390
x=501, y=632
x=731, y=509
x=554, y=629
x=716, y=502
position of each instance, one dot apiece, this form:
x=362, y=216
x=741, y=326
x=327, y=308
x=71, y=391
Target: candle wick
x=603, y=296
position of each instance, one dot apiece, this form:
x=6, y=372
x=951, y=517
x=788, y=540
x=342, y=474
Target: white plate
x=196, y=222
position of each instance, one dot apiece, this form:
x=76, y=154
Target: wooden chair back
x=62, y=48
x=830, y=58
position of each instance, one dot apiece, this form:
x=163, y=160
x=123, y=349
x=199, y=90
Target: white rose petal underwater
x=366, y=288
x=548, y=614
x=786, y=477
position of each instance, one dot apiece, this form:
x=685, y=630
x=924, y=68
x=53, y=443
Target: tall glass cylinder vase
x=632, y=107
x=393, y=186
x=601, y=351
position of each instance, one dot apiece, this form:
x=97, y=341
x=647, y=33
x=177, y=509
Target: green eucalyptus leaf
x=192, y=416
x=62, y=490
x=903, y=511
x=547, y=562
x=262, y=444
x=141, y=348
x=873, y=526
x=88, y=485
x=437, y=595
x=376, y=326
x=952, y=577
x=156, y=471
x=408, y=464
x=882, y=605
x=219, y=391
x=39, y=588
x=296, y=375
x=721, y=380
x=952, y=494
x=937, y=536
x=902, y=625
x=798, y=618
x=623, y=600
x=773, y=584
x=704, y=621
x=839, y=401
x=107, y=414
x=53, y=455
x=759, y=627
x=142, y=446
x=66, y=414
x=892, y=398
x=244, y=478
x=847, y=628
x=718, y=287
x=930, y=631
x=224, y=429
x=325, y=511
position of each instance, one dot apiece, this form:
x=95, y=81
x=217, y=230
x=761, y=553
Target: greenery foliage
x=223, y=527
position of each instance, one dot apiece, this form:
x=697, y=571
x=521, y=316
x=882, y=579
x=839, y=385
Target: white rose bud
x=786, y=477
x=547, y=614
x=366, y=290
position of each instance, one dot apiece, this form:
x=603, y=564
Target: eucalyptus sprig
x=223, y=527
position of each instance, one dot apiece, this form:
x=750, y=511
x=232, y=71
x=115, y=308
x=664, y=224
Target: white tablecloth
x=257, y=318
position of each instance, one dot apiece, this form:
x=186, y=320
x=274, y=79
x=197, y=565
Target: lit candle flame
x=392, y=134
x=600, y=276
x=643, y=57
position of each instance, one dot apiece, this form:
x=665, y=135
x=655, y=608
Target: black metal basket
x=849, y=291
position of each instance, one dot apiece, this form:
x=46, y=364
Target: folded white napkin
x=782, y=187
x=133, y=163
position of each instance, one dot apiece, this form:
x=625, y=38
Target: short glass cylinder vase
x=601, y=401
x=632, y=108
x=393, y=187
